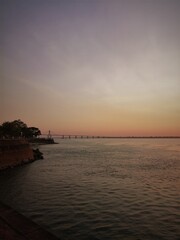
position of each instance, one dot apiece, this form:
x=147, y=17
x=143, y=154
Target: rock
x=37, y=154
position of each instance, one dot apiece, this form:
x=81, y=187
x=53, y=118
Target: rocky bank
x=16, y=152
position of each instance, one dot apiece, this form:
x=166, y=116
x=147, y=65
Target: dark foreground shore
x=14, y=226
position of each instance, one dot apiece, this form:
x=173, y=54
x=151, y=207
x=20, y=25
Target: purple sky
x=91, y=66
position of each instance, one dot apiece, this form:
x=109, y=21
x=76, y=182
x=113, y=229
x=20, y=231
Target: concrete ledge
x=15, y=226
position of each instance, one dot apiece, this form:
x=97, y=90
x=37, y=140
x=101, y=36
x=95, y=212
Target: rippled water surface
x=101, y=189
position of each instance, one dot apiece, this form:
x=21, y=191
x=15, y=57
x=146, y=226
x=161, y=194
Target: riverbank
x=16, y=152
x=15, y=226
x=41, y=141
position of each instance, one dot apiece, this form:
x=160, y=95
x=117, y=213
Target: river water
x=94, y=189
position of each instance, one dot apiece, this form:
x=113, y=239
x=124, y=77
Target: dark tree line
x=16, y=129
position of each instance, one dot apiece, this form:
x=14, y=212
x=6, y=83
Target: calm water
x=101, y=189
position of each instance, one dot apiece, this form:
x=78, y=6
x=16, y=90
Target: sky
x=97, y=67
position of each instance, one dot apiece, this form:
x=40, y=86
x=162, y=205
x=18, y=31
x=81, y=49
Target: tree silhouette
x=17, y=128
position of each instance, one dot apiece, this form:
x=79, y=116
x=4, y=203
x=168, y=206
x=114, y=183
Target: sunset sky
x=105, y=67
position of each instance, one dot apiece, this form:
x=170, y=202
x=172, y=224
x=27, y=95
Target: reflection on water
x=101, y=189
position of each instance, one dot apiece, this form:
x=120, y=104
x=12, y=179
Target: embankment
x=15, y=226
x=42, y=141
x=15, y=152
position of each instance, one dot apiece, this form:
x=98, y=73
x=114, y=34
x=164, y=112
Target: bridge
x=75, y=136
x=78, y=136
